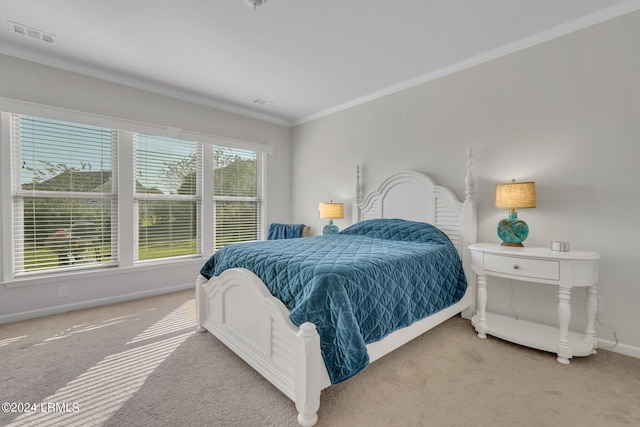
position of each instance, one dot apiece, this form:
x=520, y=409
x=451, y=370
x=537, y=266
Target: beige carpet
x=140, y=364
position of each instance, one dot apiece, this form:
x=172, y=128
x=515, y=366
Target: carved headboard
x=415, y=196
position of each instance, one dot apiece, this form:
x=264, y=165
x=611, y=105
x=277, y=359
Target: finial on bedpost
x=358, y=187
x=469, y=181
x=357, y=199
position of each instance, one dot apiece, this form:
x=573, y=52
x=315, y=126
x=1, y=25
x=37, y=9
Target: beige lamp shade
x=516, y=195
x=331, y=210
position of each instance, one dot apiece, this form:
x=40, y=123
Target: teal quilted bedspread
x=357, y=286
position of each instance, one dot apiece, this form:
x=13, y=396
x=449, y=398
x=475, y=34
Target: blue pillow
x=398, y=229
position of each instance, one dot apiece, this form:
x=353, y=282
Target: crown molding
x=136, y=83
x=586, y=21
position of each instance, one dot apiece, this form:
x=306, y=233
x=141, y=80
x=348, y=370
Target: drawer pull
x=515, y=267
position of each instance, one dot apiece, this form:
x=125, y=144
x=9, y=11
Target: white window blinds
x=64, y=181
x=65, y=201
x=237, y=195
x=167, y=197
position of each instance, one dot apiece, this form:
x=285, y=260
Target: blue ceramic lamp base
x=513, y=231
x=330, y=228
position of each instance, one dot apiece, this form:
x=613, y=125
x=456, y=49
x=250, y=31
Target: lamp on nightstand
x=514, y=195
x=331, y=211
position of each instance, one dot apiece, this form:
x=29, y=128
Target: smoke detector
x=255, y=3
x=31, y=33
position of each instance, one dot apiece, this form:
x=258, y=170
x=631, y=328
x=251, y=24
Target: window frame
x=141, y=197
x=19, y=195
x=125, y=128
x=257, y=198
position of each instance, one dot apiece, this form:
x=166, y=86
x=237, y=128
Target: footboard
x=238, y=309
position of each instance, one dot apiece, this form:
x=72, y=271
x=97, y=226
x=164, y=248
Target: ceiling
x=288, y=61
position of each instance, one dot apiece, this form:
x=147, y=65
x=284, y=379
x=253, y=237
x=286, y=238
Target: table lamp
x=331, y=211
x=514, y=195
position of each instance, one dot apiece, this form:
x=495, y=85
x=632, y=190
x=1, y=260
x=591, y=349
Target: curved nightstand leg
x=564, y=316
x=592, y=308
x=481, y=295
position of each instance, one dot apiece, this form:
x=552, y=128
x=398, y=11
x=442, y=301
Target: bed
x=238, y=307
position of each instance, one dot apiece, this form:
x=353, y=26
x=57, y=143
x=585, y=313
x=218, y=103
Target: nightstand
x=566, y=270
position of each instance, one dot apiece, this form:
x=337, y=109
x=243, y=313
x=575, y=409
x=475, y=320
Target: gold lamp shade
x=331, y=210
x=516, y=195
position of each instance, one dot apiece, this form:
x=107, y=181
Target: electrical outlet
x=600, y=304
x=63, y=291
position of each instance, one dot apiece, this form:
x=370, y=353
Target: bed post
x=307, y=374
x=355, y=217
x=201, y=308
x=470, y=234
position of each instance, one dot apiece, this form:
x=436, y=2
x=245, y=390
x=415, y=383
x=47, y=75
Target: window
x=167, y=197
x=65, y=204
x=237, y=195
x=71, y=187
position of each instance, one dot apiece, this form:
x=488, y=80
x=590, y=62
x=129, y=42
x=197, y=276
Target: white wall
x=30, y=82
x=565, y=114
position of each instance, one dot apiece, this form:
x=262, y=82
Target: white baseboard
x=621, y=348
x=618, y=347
x=58, y=309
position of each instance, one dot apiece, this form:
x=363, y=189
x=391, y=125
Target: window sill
x=41, y=279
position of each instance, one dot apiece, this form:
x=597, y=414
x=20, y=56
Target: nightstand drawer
x=523, y=267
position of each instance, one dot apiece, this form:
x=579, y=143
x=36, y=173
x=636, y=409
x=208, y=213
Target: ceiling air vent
x=261, y=101
x=32, y=33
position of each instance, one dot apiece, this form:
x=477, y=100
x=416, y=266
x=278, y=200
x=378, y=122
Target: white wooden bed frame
x=239, y=310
